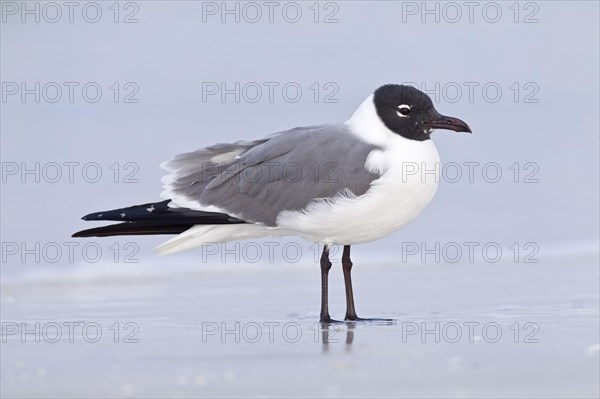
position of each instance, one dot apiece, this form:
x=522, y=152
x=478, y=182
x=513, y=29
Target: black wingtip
x=128, y=228
x=82, y=233
x=151, y=218
x=92, y=216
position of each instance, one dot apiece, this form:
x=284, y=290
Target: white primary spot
x=150, y=209
x=122, y=215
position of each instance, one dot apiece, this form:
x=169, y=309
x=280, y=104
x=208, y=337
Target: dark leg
x=347, y=267
x=325, y=267
x=350, y=309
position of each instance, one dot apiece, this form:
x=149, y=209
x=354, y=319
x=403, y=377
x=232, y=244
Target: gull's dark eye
x=403, y=110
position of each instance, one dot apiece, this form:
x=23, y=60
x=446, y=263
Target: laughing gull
x=344, y=184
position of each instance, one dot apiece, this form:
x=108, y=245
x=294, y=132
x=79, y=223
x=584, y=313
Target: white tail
x=212, y=234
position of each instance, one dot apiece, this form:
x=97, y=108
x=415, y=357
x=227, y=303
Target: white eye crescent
x=403, y=110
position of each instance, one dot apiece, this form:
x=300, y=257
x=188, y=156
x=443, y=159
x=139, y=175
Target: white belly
x=408, y=183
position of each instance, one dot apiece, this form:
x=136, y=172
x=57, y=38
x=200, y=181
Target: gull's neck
x=366, y=124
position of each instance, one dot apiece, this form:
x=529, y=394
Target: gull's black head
x=411, y=114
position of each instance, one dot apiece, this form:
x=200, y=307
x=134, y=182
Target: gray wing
x=255, y=181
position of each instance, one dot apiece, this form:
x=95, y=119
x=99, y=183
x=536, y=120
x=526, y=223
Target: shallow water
x=461, y=331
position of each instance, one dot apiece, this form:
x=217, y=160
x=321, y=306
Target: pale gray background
x=170, y=52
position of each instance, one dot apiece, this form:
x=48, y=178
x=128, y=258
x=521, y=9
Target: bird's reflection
x=332, y=333
x=350, y=336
